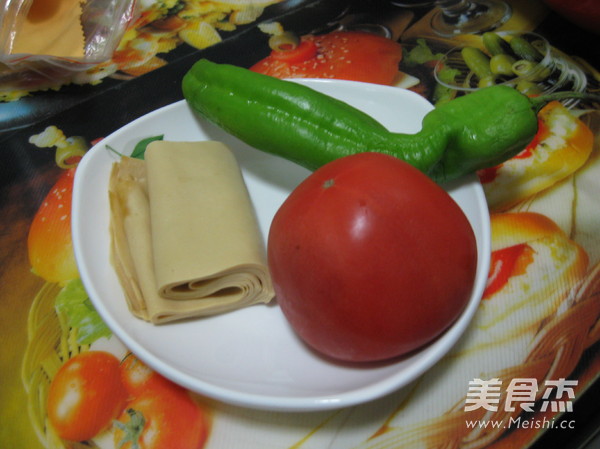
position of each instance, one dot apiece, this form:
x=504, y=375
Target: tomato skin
x=370, y=259
x=85, y=395
x=172, y=420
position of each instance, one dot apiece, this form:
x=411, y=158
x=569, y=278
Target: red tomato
x=86, y=395
x=348, y=55
x=139, y=378
x=370, y=258
x=170, y=419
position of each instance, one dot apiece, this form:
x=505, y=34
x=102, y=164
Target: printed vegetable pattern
x=159, y=413
x=561, y=146
x=49, y=242
x=72, y=342
x=85, y=395
x=524, y=61
x=347, y=55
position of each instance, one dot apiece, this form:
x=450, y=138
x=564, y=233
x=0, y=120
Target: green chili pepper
x=475, y=131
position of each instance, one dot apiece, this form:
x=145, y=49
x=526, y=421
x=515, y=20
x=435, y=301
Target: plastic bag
x=102, y=24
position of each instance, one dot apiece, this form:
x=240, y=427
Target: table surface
x=525, y=341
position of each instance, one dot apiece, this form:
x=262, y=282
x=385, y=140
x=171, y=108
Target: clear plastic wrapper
x=54, y=39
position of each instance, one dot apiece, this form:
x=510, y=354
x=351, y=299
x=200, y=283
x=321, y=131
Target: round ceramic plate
x=251, y=357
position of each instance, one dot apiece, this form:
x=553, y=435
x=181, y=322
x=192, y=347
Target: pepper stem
x=539, y=101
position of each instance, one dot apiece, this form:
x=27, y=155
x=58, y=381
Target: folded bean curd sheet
x=185, y=240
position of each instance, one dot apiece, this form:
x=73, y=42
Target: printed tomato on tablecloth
x=348, y=55
x=49, y=243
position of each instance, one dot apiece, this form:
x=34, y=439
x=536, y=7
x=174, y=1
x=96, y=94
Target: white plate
x=251, y=357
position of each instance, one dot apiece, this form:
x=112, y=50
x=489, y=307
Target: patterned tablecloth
x=525, y=371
